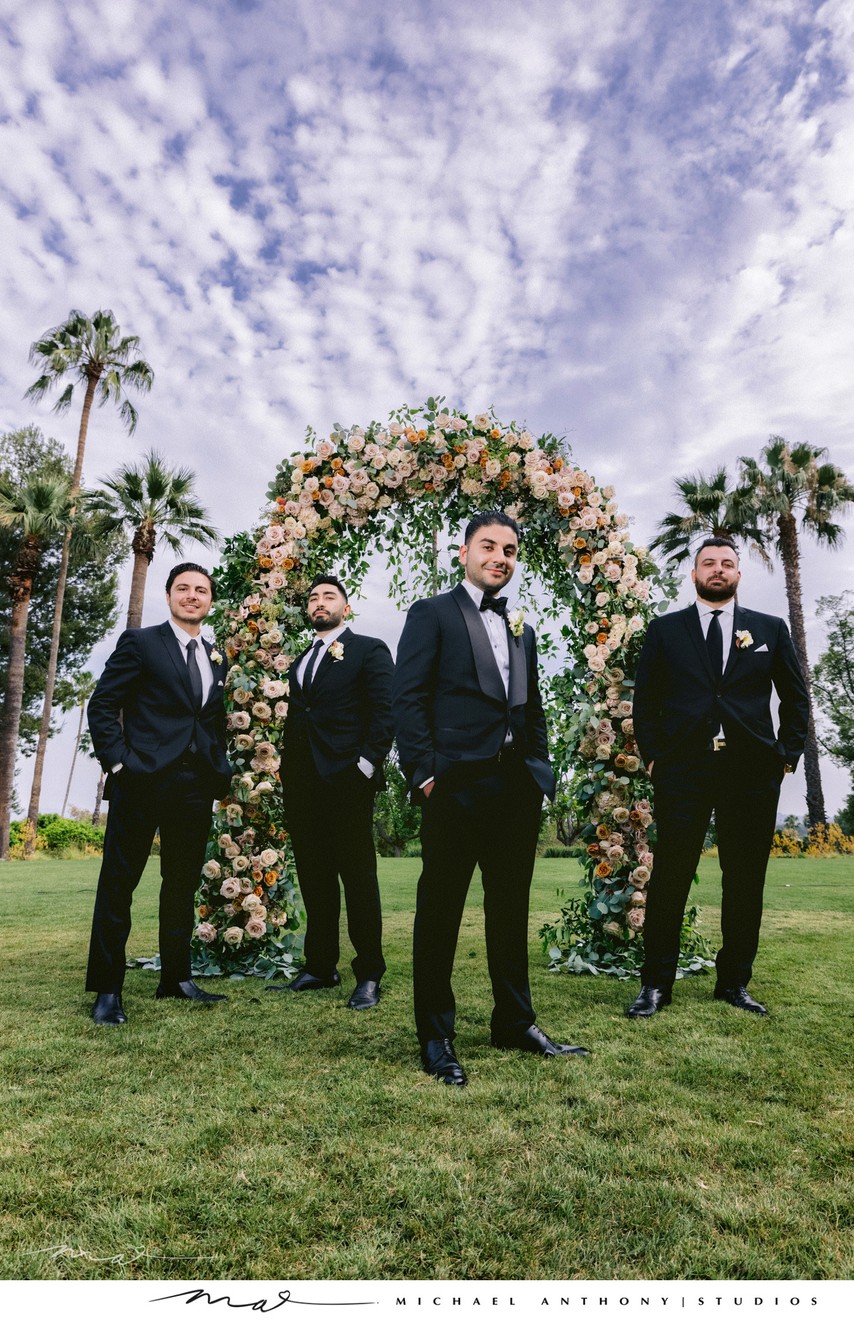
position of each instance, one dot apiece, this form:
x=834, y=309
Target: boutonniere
x=743, y=638
x=336, y=651
x=216, y=656
x=516, y=622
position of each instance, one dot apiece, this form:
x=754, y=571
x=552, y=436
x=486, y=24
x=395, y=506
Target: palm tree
x=38, y=510
x=78, y=694
x=154, y=503
x=92, y=350
x=712, y=507
x=785, y=484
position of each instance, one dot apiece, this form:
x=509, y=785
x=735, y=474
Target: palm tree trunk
x=136, y=600
x=99, y=795
x=791, y=556
x=74, y=757
x=11, y=720
x=50, y=677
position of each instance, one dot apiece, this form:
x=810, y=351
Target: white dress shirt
x=726, y=619
x=202, y=657
x=496, y=627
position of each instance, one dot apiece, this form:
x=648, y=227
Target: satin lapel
x=734, y=652
x=518, y=695
x=326, y=662
x=488, y=674
x=173, y=647
x=695, y=631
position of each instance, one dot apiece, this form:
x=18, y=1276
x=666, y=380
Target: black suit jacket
x=679, y=706
x=449, y=701
x=142, y=713
x=347, y=712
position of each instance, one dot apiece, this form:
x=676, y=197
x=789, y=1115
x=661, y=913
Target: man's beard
x=721, y=592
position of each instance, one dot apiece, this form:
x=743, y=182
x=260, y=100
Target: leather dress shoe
x=533, y=1039
x=439, y=1059
x=187, y=991
x=306, y=981
x=649, y=1002
x=739, y=997
x=365, y=996
x=108, y=1009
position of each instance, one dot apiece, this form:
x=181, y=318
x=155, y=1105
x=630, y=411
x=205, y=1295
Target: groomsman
x=702, y=720
x=472, y=739
x=337, y=736
x=158, y=727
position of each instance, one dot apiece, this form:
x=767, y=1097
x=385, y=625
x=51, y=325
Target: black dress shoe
x=739, y=997
x=108, y=1009
x=650, y=1001
x=187, y=991
x=533, y=1039
x=438, y=1059
x=366, y=995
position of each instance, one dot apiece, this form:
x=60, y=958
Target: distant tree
x=36, y=511
x=710, y=507
x=395, y=820
x=93, y=351
x=845, y=816
x=152, y=503
x=77, y=695
x=833, y=678
x=786, y=488
x=91, y=593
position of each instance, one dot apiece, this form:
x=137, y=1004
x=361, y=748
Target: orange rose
x=270, y=878
x=579, y=543
x=593, y=850
x=601, y=638
x=337, y=463
x=281, y=502
x=557, y=465
x=265, y=562
x=204, y=911
x=287, y=564
x=307, y=465
x=585, y=559
x=496, y=433
x=327, y=481
x=603, y=869
x=422, y=435
x=447, y=461
x=602, y=831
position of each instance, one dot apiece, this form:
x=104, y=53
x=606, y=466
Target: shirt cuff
x=117, y=767
x=367, y=768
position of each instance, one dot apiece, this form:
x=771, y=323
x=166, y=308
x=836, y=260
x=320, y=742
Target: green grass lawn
x=284, y=1137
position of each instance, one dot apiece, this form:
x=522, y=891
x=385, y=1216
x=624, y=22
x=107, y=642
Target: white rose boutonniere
x=516, y=622
x=743, y=639
x=336, y=651
x=216, y=656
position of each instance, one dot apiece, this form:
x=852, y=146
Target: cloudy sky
x=629, y=223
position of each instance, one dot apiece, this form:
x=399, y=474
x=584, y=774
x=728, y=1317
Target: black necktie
x=312, y=662
x=194, y=673
x=715, y=644
x=497, y=604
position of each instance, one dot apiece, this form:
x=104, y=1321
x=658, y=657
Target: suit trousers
x=178, y=801
x=487, y=815
x=330, y=823
x=742, y=788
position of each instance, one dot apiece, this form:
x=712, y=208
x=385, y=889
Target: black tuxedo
x=328, y=800
x=142, y=715
x=679, y=709
x=452, y=718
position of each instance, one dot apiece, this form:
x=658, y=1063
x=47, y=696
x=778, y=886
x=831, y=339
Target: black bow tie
x=497, y=604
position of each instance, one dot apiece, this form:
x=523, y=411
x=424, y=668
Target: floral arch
x=388, y=488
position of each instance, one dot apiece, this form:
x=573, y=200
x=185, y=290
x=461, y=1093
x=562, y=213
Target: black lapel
x=294, y=666
x=518, y=695
x=218, y=671
x=734, y=650
x=695, y=632
x=173, y=647
x=326, y=661
x=488, y=674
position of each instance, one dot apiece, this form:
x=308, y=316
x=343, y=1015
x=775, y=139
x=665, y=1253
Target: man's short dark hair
x=333, y=582
x=716, y=541
x=487, y=519
x=187, y=567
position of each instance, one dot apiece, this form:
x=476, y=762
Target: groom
x=337, y=736
x=158, y=727
x=472, y=739
x=702, y=720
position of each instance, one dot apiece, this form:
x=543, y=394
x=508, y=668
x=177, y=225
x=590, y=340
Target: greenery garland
x=390, y=489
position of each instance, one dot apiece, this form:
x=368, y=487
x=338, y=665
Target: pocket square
x=763, y=647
